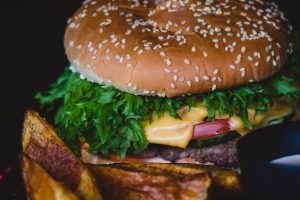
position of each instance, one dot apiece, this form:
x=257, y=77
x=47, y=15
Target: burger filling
x=113, y=123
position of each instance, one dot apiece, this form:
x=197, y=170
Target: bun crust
x=177, y=47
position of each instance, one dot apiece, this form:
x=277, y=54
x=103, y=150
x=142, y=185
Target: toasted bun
x=177, y=47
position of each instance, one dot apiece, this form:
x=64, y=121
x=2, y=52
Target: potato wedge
x=127, y=180
x=41, y=143
x=40, y=185
x=225, y=182
x=151, y=181
x=167, y=181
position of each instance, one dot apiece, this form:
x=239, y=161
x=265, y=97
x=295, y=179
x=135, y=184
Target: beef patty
x=223, y=154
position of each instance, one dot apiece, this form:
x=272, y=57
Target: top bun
x=177, y=47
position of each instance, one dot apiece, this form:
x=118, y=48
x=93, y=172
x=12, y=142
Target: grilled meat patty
x=223, y=154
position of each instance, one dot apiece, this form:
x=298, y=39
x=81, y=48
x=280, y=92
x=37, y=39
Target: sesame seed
x=232, y=66
x=146, y=91
x=173, y=85
x=89, y=44
x=197, y=67
x=129, y=85
x=278, y=58
x=189, y=83
x=175, y=78
x=79, y=46
x=197, y=79
x=114, y=40
x=205, y=54
x=128, y=65
x=128, y=56
x=243, y=71
x=216, y=71
x=256, y=64
x=128, y=32
x=160, y=37
x=135, y=88
x=140, y=51
x=272, y=53
x=104, y=41
x=168, y=61
x=214, y=87
x=274, y=63
x=278, y=45
x=194, y=49
x=117, y=57
x=71, y=43
x=237, y=61
x=206, y=78
x=167, y=70
x=187, y=61
x=162, y=53
x=243, y=49
x=135, y=48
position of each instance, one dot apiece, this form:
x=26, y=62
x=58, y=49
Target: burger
x=177, y=81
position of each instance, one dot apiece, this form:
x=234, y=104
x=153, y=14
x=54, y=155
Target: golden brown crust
x=40, y=185
x=41, y=143
x=177, y=47
x=151, y=182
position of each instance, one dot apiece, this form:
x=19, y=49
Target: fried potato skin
x=143, y=181
x=179, y=181
x=40, y=185
x=42, y=144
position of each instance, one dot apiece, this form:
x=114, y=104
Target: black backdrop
x=31, y=57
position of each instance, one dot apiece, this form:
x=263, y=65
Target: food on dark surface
x=181, y=74
x=117, y=181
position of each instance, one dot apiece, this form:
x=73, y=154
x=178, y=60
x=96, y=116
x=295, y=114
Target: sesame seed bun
x=176, y=47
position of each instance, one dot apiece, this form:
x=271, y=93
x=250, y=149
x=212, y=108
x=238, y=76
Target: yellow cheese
x=178, y=132
x=261, y=120
x=169, y=131
x=175, y=132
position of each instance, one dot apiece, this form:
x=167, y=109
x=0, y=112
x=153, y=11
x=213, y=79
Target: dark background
x=31, y=57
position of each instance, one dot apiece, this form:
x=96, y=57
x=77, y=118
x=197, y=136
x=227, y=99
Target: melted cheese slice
x=175, y=132
x=178, y=132
x=261, y=120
